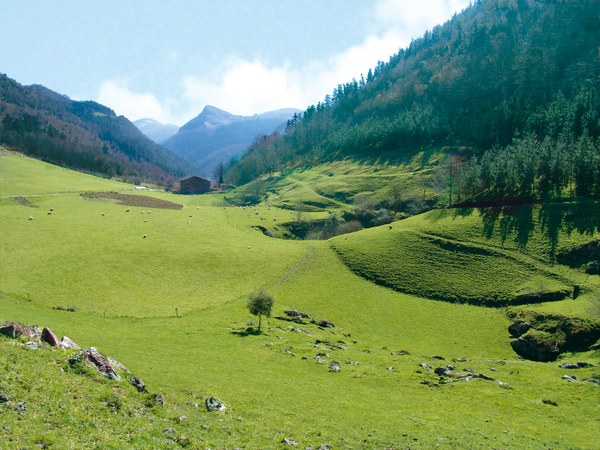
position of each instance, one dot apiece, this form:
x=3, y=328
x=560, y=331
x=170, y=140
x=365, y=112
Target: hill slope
x=215, y=136
x=83, y=135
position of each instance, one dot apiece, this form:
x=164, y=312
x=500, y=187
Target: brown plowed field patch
x=132, y=200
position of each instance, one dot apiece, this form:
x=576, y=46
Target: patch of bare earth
x=132, y=200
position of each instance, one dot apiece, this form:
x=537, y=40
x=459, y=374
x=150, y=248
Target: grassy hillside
x=473, y=255
x=19, y=176
x=381, y=398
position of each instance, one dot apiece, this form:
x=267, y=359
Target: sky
x=167, y=60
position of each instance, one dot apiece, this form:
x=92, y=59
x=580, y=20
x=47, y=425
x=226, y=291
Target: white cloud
x=247, y=87
x=117, y=95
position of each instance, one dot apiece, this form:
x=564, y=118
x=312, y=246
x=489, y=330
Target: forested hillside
x=514, y=85
x=82, y=135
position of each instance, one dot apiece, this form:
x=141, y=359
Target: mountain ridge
x=82, y=135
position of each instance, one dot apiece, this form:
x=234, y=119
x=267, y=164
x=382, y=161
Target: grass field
x=91, y=255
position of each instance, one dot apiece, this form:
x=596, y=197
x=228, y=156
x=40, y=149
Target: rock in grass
x=569, y=378
x=66, y=342
x=15, y=330
x=290, y=441
x=441, y=371
x=335, y=366
x=519, y=328
x=138, y=384
x=3, y=398
x=214, y=404
x=569, y=366
x=49, y=337
x=577, y=365
x=103, y=364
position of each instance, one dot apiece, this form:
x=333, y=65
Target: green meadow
x=164, y=292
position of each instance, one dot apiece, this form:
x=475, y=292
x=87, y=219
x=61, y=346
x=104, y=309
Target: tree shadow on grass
x=250, y=331
x=519, y=221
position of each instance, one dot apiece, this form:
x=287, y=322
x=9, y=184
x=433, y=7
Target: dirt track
x=132, y=200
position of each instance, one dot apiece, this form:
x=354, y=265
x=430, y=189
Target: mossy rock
x=539, y=345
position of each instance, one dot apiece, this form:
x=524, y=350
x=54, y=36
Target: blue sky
x=167, y=60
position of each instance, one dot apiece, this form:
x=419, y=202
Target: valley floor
x=164, y=292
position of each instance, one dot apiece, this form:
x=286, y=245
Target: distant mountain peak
x=212, y=117
x=216, y=136
x=155, y=130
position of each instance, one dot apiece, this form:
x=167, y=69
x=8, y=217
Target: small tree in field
x=260, y=304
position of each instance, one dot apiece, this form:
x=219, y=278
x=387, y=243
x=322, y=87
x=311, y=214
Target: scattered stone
x=569, y=378
x=390, y=368
x=66, y=342
x=100, y=362
x=214, y=404
x=49, y=337
x=21, y=407
x=400, y=352
x=295, y=313
x=519, y=328
x=592, y=380
x=425, y=366
x=335, y=366
x=549, y=402
x=332, y=345
x=569, y=366
x=117, y=365
x=138, y=384
x=441, y=358
x=182, y=418
x=158, y=399
x=32, y=345
x=290, y=441
x=483, y=376
x=441, y=371
x=463, y=359
x=3, y=398
x=322, y=323
x=9, y=330
x=19, y=330
x=319, y=360
x=170, y=431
